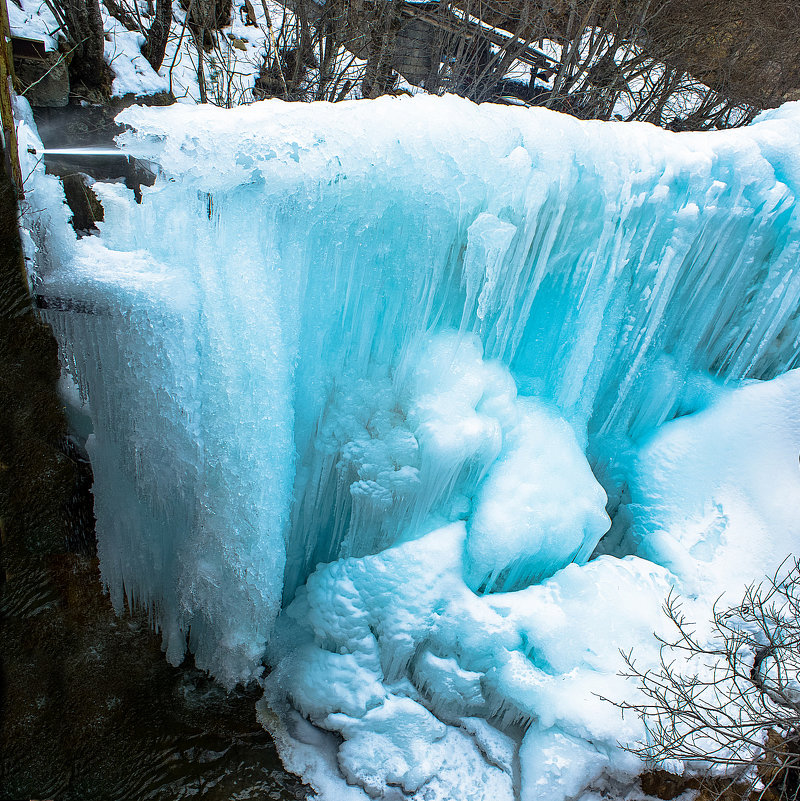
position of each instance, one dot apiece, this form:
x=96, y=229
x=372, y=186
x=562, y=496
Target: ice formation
x=384, y=366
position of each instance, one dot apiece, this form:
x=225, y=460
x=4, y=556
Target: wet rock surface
x=92, y=710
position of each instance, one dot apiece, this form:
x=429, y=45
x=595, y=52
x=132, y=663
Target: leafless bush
x=729, y=702
x=600, y=60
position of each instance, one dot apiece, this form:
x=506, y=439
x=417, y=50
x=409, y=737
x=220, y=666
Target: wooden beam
x=10, y=148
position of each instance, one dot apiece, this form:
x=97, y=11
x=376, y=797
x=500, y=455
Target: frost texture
x=349, y=359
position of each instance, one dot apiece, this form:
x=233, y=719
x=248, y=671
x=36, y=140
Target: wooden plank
x=10, y=148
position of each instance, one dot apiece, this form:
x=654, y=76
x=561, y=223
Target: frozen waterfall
x=389, y=366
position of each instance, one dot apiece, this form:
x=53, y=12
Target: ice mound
x=417, y=674
x=447, y=433
x=518, y=676
x=539, y=508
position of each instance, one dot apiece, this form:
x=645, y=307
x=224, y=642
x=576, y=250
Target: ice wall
x=601, y=263
x=330, y=331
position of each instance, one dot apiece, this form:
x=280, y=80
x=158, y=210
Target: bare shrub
x=728, y=701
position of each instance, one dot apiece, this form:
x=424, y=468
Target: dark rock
x=44, y=82
x=86, y=208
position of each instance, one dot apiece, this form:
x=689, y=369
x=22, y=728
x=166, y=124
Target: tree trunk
x=378, y=74
x=88, y=67
x=156, y=45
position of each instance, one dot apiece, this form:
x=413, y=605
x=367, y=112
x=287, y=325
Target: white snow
x=123, y=52
x=715, y=494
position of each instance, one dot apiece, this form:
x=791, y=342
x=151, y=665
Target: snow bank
x=715, y=494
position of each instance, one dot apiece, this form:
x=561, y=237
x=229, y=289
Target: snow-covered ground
x=230, y=69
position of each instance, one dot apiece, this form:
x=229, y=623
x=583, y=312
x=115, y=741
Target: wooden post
x=10, y=148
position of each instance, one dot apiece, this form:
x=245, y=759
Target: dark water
x=92, y=710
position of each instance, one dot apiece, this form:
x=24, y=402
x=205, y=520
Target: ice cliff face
x=378, y=340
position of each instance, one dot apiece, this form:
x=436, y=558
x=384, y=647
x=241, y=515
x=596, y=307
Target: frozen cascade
x=349, y=360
